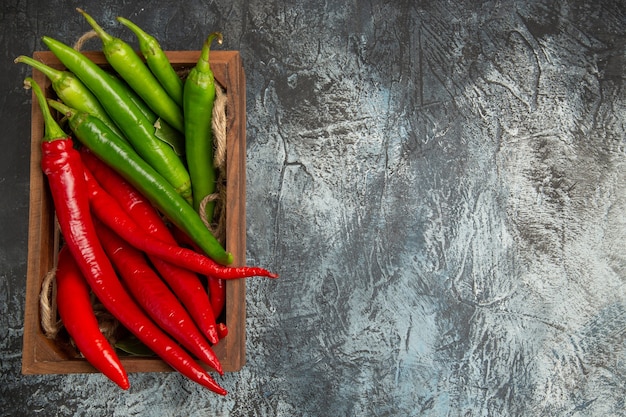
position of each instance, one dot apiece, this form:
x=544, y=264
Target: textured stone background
x=440, y=184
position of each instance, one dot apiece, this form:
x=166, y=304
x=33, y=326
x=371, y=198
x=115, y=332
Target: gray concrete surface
x=440, y=184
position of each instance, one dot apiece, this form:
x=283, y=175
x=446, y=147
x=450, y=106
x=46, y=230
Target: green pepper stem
x=203, y=62
x=104, y=36
x=66, y=110
x=52, y=130
x=52, y=73
x=157, y=61
x=142, y=36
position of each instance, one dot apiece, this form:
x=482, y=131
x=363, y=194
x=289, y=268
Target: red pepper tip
x=213, y=335
x=222, y=330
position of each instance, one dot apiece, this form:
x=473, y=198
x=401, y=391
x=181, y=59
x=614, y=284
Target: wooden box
x=42, y=355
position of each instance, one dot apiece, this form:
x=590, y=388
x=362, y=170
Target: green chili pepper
x=158, y=63
x=120, y=156
x=198, y=99
x=162, y=129
x=134, y=71
x=71, y=90
x=114, y=97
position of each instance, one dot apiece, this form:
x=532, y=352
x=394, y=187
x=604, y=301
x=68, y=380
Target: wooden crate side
x=37, y=349
x=236, y=207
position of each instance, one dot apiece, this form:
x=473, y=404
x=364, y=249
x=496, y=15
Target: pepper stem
x=52, y=130
x=104, y=36
x=52, y=73
x=58, y=106
x=140, y=33
x=203, y=62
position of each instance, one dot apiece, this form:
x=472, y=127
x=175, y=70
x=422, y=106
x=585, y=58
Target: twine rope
x=48, y=306
x=217, y=225
x=84, y=39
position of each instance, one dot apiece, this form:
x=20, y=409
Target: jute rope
x=217, y=225
x=84, y=38
x=48, y=306
x=50, y=323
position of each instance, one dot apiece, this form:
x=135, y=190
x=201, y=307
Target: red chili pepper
x=193, y=296
x=154, y=296
x=217, y=294
x=222, y=271
x=222, y=330
x=109, y=211
x=65, y=172
x=217, y=286
x=184, y=283
x=133, y=202
x=235, y=272
x=76, y=312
